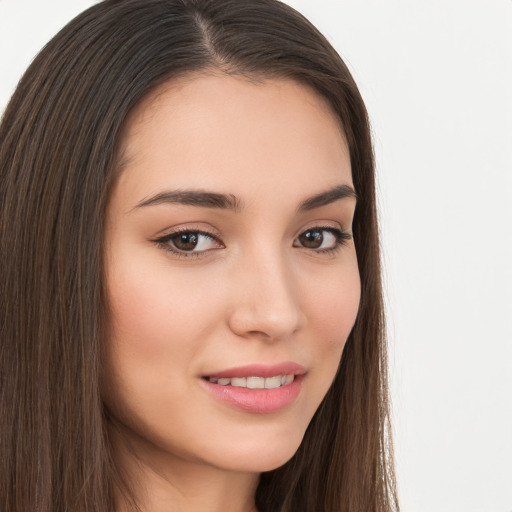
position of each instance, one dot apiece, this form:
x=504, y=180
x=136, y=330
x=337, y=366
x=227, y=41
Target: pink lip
x=260, y=370
x=260, y=401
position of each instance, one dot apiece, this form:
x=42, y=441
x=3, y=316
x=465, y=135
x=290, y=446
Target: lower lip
x=261, y=401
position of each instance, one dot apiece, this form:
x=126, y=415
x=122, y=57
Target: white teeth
x=239, y=382
x=255, y=382
x=274, y=382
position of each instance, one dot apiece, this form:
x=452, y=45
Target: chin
x=259, y=455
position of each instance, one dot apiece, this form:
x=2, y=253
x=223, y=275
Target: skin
x=254, y=294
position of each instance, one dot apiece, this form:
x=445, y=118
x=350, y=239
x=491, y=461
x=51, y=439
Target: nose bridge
x=267, y=303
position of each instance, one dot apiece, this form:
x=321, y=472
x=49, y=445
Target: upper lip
x=260, y=370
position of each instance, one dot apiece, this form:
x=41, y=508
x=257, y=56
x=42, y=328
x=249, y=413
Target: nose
x=266, y=302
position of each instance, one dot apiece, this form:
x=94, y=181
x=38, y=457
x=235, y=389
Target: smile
x=254, y=382
x=256, y=388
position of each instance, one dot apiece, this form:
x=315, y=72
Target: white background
x=437, y=79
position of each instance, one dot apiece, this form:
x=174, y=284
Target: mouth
x=254, y=382
x=257, y=388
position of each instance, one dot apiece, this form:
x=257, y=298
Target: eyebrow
x=206, y=199
x=327, y=197
x=194, y=198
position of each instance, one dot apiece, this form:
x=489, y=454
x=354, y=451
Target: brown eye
x=185, y=241
x=323, y=239
x=312, y=239
x=190, y=242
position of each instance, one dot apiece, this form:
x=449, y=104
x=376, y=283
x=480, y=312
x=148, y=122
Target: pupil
x=186, y=241
x=312, y=239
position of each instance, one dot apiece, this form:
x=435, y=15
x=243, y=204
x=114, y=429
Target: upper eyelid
x=167, y=237
x=213, y=233
x=325, y=225
x=345, y=235
x=164, y=242
x=169, y=232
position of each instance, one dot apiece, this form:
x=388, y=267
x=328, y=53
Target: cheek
x=160, y=321
x=145, y=349
x=152, y=313
x=333, y=311
x=151, y=347
x=334, y=306
x=140, y=315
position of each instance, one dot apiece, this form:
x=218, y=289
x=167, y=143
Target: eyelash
x=341, y=239
x=164, y=242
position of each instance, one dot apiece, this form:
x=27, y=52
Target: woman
x=191, y=300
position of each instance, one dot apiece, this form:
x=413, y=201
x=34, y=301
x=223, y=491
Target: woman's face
x=231, y=272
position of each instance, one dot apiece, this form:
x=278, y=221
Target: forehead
x=228, y=132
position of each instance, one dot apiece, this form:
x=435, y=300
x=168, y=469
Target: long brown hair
x=59, y=142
